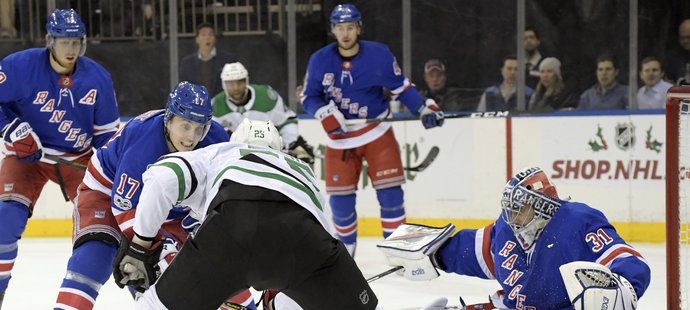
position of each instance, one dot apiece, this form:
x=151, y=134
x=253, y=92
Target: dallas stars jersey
x=116, y=168
x=264, y=104
x=357, y=85
x=576, y=232
x=192, y=179
x=69, y=115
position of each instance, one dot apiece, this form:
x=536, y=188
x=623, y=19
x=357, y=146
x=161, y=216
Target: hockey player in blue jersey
x=545, y=252
x=109, y=194
x=349, y=79
x=53, y=101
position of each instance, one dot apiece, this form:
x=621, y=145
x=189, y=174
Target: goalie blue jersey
x=116, y=169
x=69, y=115
x=576, y=232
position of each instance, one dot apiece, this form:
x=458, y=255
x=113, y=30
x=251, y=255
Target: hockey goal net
x=677, y=197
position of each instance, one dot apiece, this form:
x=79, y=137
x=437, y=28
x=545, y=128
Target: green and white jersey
x=190, y=180
x=264, y=104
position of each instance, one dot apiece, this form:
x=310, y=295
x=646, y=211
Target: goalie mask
x=529, y=201
x=261, y=133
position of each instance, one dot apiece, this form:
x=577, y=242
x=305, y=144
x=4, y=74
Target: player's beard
x=350, y=45
x=64, y=68
x=242, y=98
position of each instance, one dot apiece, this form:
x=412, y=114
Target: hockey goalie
x=544, y=251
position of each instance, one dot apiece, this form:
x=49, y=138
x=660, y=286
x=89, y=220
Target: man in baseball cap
x=449, y=98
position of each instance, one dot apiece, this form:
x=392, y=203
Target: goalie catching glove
x=22, y=140
x=136, y=266
x=594, y=286
x=413, y=247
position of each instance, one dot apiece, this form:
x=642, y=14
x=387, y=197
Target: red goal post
x=677, y=208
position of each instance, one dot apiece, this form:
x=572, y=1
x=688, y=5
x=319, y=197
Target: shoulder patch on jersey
x=3, y=77
x=271, y=93
x=396, y=68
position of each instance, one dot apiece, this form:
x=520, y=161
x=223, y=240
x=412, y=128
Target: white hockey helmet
x=254, y=132
x=233, y=72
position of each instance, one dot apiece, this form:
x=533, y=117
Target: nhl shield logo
x=364, y=297
x=625, y=136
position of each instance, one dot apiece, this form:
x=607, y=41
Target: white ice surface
x=41, y=264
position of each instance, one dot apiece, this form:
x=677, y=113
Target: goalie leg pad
x=593, y=286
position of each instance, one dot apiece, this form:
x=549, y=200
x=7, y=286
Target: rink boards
x=614, y=163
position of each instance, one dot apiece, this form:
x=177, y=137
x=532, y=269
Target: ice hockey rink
x=41, y=265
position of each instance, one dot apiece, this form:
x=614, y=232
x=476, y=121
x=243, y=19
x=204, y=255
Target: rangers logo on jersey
x=3, y=77
x=396, y=68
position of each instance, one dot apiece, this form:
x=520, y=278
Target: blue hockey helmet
x=191, y=102
x=65, y=23
x=345, y=13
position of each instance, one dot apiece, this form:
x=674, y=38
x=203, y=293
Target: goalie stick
x=383, y=274
x=64, y=162
x=442, y=303
x=489, y=114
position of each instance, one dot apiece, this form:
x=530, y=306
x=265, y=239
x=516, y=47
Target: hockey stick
x=64, y=161
x=490, y=114
x=418, y=168
x=442, y=303
x=426, y=162
x=383, y=274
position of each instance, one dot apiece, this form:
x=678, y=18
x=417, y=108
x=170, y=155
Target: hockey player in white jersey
x=262, y=226
x=240, y=100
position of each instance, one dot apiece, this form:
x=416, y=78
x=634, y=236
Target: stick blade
x=433, y=153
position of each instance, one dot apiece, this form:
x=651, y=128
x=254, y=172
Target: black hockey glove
x=300, y=149
x=136, y=266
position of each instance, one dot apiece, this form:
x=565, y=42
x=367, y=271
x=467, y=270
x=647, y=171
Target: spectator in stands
x=204, y=66
x=551, y=93
x=7, y=29
x=503, y=96
x=607, y=93
x=144, y=19
x=448, y=98
x=653, y=94
x=678, y=60
x=533, y=56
